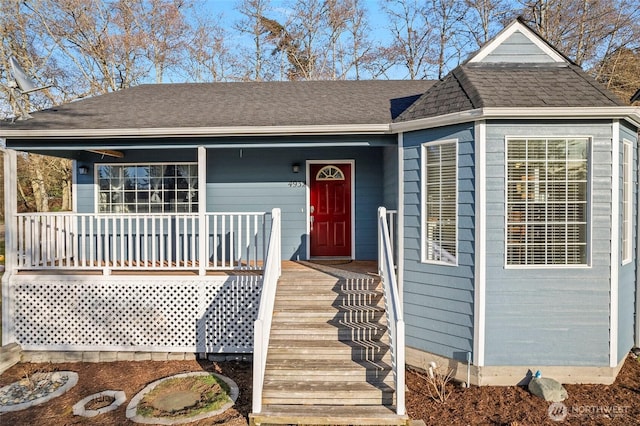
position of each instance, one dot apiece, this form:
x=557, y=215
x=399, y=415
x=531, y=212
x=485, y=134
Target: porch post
x=10, y=209
x=203, y=236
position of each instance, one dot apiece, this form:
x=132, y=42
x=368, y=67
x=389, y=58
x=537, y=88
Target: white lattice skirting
x=125, y=313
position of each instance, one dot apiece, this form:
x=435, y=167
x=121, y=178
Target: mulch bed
x=130, y=377
x=496, y=406
x=617, y=404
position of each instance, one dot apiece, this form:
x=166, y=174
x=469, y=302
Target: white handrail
x=262, y=325
x=393, y=309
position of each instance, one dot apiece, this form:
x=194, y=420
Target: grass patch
x=213, y=391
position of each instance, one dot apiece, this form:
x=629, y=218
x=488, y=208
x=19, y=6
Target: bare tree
x=586, y=30
x=207, y=56
x=165, y=33
x=258, y=63
x=412, y=36
x=620, y=72
x=484, y=18
x=446, y=16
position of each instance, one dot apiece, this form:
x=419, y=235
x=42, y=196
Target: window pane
x=147, y=188
x=547, y=201
x=440, y=187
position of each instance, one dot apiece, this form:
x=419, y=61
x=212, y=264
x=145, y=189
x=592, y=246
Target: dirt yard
x=618, y=404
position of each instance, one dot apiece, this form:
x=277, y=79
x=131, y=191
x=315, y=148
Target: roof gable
x=517, y=43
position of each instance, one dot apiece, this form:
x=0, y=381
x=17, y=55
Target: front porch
x=128, y=285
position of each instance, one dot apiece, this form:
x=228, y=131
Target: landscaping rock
x=176, y=401
x=548, y=389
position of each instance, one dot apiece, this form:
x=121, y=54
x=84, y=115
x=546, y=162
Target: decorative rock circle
x=132, y=408
x=72, y=380
x=119, y=398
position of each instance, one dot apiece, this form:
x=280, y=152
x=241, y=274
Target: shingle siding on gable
x=438, y=300
x=517, y=48
x=555, y=316
x=627, y=274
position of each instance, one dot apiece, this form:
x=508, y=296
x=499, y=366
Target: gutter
x=185, y=132
x=630, y=114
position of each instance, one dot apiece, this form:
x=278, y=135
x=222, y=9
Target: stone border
x=80, y=410
x=132, y=408
x=71, y=382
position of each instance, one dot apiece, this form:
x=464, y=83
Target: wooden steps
x=329, y=361
x=327, y=415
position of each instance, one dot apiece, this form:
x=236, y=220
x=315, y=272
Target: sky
x=376, y=20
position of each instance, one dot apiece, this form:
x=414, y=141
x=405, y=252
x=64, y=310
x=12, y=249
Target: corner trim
x=479, y=294
x=615, y=238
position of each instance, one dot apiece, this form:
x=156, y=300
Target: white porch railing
x=393, y=308
x=140, y=241
x=262, y=325
x=392, y=224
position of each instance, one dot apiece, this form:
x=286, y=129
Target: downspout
x=400, y=222
x=637, y=199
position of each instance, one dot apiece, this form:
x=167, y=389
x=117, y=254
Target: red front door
x=330, y=210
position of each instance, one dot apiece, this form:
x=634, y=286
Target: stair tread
x=346, y=364
x=330, y=414
x=326, y=386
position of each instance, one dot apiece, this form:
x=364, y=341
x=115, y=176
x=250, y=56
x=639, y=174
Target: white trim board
x=615, y=238
x=631, y=114
x=480, y=272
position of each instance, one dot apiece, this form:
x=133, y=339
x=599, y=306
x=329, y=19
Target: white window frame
x=423, y=201
x=588, y=224
x=193, y=206
x=627, y=202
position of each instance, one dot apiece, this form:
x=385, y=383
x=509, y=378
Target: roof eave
x=630, y=114
x=178, y=132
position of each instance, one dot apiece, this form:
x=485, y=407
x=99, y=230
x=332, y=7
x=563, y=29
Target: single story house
x=512, y=184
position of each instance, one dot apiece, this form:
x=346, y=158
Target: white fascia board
x=631, y=114
x=506, y=33
x=176, y=132
x=437, y=121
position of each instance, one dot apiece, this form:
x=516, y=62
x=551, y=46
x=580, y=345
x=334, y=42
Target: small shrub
x=438, y=379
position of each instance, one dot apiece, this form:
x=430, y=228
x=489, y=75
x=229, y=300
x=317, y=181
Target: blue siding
x=627, y=274
x=438, y=300
x=547, y=316
x=390, y=177
x=517, y=48
x=258, y=179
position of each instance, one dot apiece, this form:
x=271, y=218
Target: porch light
x=295, y=168
x=83, y=170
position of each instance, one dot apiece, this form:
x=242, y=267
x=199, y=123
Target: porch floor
x=337, y=268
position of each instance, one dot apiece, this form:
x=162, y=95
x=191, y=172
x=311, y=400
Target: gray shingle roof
x=234, y=104
x=473, y=86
